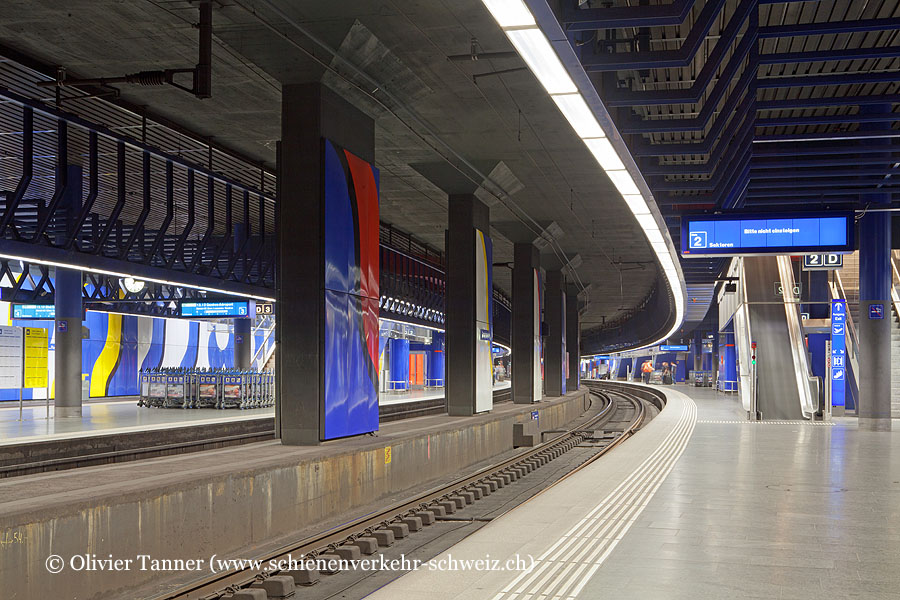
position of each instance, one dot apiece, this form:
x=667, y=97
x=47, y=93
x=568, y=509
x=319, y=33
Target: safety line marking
x=740, y=422
x=564, y=569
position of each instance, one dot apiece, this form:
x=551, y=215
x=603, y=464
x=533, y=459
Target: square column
x=875, y=280
x=527, y=383
x=573, y=339
x=327, y=219
x=69, y=307
x=67, y=334
x=469, y=333
x=555, y=350
x=243, y=342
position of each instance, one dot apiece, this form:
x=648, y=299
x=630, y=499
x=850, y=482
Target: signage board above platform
x=216, y=309
x=759, y=234
x=822, y=262
x=673, y=348
x=34, y=311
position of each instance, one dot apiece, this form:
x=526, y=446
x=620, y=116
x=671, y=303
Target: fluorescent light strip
x=623, y=182
x=124, y=275
x=576, y=111
x=538, y=54
x=510, y=13
x=637, y=204
x=520, y=26
x=605, y=154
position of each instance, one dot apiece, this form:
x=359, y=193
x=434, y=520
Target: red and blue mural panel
x=351, y=294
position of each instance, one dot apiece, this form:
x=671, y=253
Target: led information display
x=215, y=309
x=34, y=311
x=766, y=234
x=673, y=348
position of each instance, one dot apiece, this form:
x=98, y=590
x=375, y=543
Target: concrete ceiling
x=427, y=110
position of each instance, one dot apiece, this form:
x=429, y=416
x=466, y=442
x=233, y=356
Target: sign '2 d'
x=822, y=262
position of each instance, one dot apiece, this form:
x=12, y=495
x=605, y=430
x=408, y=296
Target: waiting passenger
x=646, y=369
x=666, y=374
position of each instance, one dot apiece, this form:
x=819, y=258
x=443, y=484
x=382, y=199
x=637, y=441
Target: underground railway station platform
x=500, y=299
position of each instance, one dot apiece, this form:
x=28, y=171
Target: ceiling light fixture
x=520, y=26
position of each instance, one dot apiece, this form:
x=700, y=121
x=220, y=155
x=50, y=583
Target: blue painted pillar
x=727, y=362
x=67, y=360
x=874, y=290
x=399, y=365
x=436, y=359
x=68, y=300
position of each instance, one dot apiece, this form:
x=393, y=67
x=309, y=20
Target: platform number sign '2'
x=838, y=351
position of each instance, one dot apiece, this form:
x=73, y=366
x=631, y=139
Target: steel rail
x=222, y=585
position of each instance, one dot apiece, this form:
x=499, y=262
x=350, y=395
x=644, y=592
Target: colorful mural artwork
x=351, y=294
x=120, y=345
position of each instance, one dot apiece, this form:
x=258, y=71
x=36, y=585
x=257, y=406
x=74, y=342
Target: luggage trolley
x=176, y=391
x=209, y=386
x=231, y=390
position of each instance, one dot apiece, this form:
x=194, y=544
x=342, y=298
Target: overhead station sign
x=745, y=234
x=217, y=309
x=673, y=348
x=34, y=311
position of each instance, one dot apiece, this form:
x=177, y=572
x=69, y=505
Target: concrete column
x=555, y=316
x=67, y=360
x=311, y=114
x=467, y=385
x=243, y=343
x=875, y=334
x=526, y=324
x=875, y=288
x=573, y=339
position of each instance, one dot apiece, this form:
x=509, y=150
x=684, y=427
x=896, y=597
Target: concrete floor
x=426, y=394
x=741, y=510
x=108, y=418
x=113, y=416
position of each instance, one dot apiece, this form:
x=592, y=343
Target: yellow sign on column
x=36, y=350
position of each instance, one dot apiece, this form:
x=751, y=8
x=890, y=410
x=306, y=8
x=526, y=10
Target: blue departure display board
x=737, y=234
x=838, y=352
x=34, y=311
x=675, y=348
x=216, y=309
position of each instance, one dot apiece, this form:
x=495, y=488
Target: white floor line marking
x=606, y=524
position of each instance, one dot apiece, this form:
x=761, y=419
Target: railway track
x=614, y=416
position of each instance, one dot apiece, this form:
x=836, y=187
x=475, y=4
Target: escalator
x=769, y=316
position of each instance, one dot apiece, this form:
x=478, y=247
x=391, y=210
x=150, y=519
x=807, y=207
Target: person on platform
x=646, y=369
x=666, y=374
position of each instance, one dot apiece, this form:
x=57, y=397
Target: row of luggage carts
x=206, y=388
